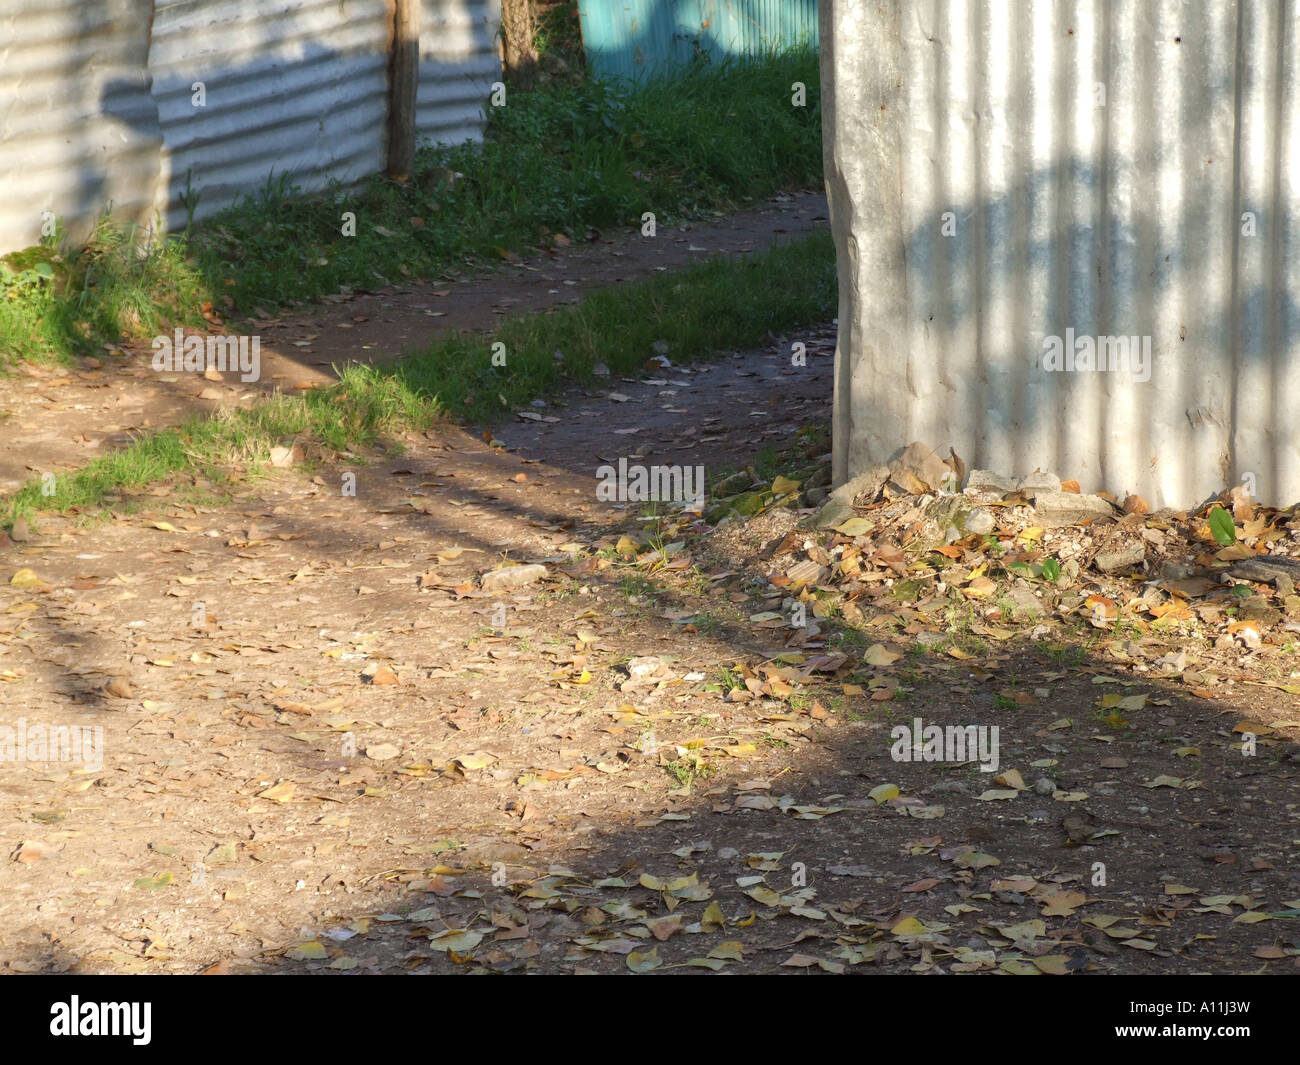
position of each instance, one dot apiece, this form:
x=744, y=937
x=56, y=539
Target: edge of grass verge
x=719, y=304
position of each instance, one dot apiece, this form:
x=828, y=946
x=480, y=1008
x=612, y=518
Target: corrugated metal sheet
x=77, y=126
x=635, y=39
x=97, y=105
x=1097, y=158
x=297, y=87
x=458, y=64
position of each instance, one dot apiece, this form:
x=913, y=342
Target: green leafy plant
x=1221, y=527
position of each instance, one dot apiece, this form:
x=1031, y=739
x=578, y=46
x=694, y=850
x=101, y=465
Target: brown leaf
x=31, y=851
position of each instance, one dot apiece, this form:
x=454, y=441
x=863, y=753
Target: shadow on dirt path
x=65, y=417
x=363, y=761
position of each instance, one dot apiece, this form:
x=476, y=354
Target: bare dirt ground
x=327, y=748
x=67, y=416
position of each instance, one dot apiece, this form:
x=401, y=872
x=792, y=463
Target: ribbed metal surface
x=77, y=126
x=458, y=64
x=635, y=39
x=93, y=109
x=1115, y=216
x=297, y=87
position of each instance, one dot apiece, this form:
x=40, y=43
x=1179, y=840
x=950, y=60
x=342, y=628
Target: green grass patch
x=555, y=161
x=720, y=303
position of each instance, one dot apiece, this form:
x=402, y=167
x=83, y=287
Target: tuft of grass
x=711, y=305
x=562, y=160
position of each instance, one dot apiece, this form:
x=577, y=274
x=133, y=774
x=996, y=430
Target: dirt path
x=353, y=758
x=62, y=418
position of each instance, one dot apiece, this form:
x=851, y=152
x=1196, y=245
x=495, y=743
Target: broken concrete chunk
x=863, y=488
x=1040, y=481
x=1024, y=603
x=503, y=580
x=832, y=514
x=1122, y=558
x=1056, y=509
x=988, y=481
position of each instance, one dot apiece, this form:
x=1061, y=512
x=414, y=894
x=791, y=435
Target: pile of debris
x=922, y=531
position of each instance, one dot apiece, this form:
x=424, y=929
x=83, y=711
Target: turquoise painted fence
x=634, y=39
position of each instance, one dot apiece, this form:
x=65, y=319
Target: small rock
x=1258, y=610
x=863, y=488
x=119, y=688
x=1038, y=481
x=815, y=496
x=20, y=532
x=833, y=513
x=502, y=580
x=821, y=478
x=1057, y=509
x=727, y=853
x=980, y=522
x=1176, y=571
x=1123, y=558
x=1024, y=603
x=643, y=668
x=282, y=457
x=1044, y=786
x=988, y=481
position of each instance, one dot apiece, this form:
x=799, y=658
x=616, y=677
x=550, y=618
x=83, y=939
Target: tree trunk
x=517, y=28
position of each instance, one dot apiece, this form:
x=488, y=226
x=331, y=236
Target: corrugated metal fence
x=634, y=39
x=98, y=100
x=1014, y=185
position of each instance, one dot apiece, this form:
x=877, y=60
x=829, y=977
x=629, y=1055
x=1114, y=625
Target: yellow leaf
x=282, y=792
x=877, y=655
x=312, y=950
x=26, y=578
x=883, y=793
x=712, y=918
x=456, y=939
x=642, y=961
x=164, y=526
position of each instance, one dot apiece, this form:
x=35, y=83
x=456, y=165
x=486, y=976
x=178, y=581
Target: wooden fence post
x=403, y=84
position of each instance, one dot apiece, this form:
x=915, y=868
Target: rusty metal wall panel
x=293, y=87
x=1002, y=172
x=459, y=62
x=77, y=125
